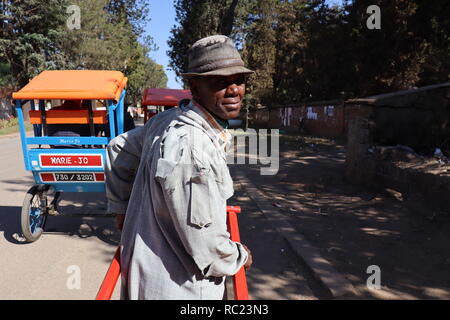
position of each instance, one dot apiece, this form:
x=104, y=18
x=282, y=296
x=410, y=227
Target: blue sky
x=162, y=14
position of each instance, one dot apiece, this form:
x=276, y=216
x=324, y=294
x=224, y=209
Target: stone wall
x=392, y=147
x=420, y=120
x=396, y=168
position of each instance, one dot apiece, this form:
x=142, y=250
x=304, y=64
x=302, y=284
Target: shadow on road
x=355, y=227
x=71, y=223
x=276, y=273
x=10, y=223
x=18, y=185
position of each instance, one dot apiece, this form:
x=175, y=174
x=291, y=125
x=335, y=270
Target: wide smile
x=232, y=105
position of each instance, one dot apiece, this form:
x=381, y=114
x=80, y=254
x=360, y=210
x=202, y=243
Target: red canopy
x=164, y=97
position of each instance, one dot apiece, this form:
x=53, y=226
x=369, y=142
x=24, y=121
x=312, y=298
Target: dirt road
x=82, y=240
x=354, y=227
x=73, y=245
x=351, y=227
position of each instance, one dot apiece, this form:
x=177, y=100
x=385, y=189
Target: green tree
x=411, y=48
x=260, y=49
x=31, y=36
x=310, y=50
x=290, y=80
x=146, y=74
x=34, y=37
x=5, y=75
x=201, y=18
x=109, y=39
x=389, y=57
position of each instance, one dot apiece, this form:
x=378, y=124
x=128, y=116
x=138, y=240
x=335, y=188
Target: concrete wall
x=326, y=119
x=419, y=118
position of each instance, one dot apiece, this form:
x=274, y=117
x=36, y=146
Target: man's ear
x=193, y=86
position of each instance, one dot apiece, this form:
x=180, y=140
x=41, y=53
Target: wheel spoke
x=35, y=214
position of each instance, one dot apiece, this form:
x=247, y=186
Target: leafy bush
x=8, y=123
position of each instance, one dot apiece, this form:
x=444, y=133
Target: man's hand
x=250, y=258
x=120, y=218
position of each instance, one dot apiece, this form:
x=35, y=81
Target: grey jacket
x=172, y=180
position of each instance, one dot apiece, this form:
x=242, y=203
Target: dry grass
x=9, y=126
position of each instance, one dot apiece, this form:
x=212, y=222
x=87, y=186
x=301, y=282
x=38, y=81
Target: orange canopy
x=74, y=84
x=164, y=97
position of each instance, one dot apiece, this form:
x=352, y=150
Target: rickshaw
x=162, y=97
x=66, y=163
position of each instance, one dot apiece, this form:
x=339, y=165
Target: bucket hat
x=215, y=56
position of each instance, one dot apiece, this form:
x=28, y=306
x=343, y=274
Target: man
x=69, y=130
x=171, y=179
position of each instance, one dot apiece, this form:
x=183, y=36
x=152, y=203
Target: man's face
x=221, y=95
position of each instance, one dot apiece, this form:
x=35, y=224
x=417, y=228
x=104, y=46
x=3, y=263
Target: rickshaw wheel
x=34, y=212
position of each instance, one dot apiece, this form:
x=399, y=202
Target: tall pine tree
x=31, y=37
x=201, y=18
